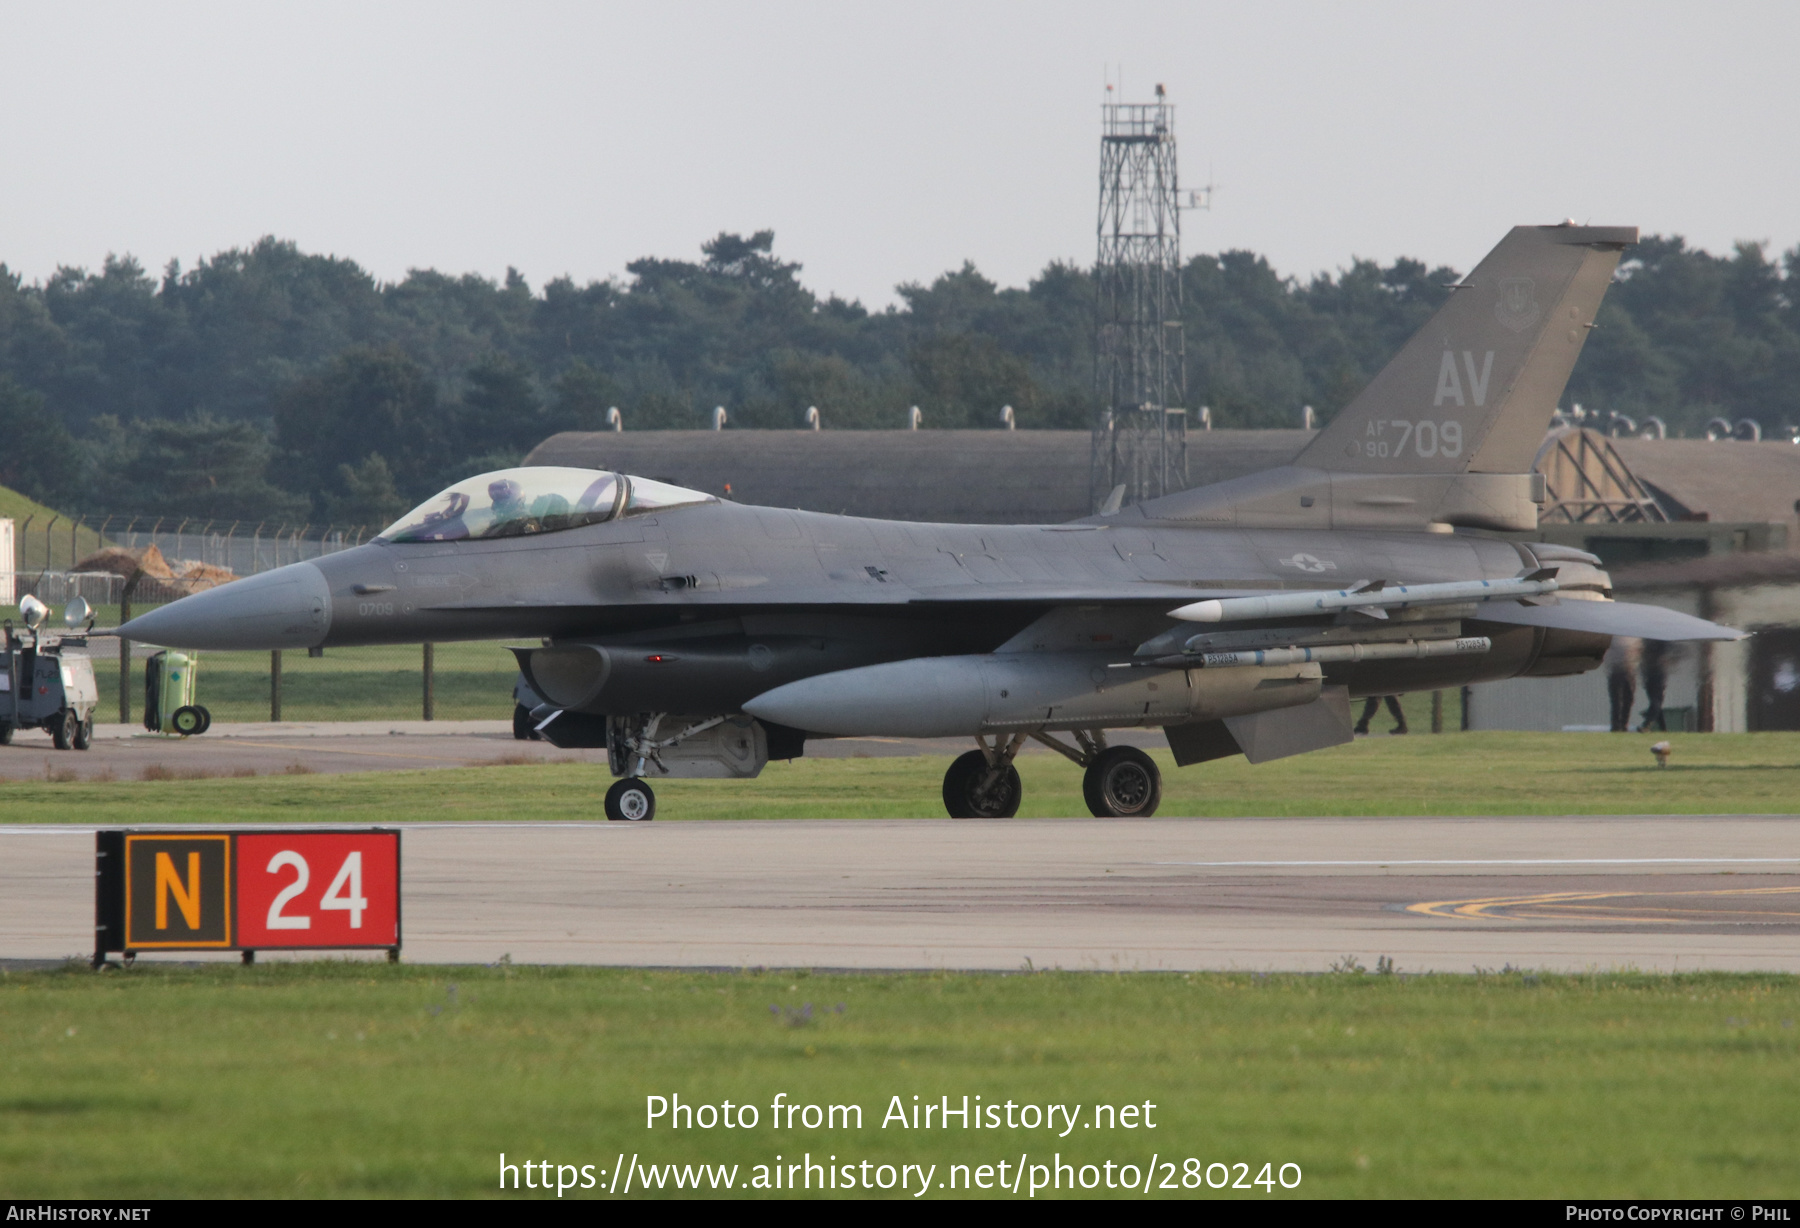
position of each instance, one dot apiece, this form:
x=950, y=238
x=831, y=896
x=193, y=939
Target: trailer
x=46, y=681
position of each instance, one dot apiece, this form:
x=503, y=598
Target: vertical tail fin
x=1473, y=391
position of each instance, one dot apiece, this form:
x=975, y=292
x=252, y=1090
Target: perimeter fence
x=59, y=543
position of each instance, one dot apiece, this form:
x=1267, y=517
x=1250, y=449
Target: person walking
x=1658, y=658
x=1372, y=705
x=1621, y=663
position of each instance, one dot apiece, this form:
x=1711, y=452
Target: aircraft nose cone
x=289, y=607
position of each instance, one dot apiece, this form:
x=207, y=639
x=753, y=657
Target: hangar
x=1708, y=497
x=969, y=477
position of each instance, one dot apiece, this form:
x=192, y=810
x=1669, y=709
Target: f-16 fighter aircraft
x=694, y=636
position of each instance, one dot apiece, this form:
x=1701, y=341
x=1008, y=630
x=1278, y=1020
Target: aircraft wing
x=1646, y=622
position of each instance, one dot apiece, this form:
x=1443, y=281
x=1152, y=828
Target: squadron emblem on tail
x=1518, y=306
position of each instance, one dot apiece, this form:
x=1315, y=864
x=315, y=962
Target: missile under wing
x=690, y=635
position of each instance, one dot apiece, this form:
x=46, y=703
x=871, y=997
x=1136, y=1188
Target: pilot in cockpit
x=508, y=499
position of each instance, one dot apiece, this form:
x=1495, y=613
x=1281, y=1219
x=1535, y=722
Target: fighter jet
x=693, y=636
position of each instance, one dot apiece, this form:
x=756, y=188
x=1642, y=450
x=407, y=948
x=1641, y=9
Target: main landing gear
x=984, y=784
x=1120, y=781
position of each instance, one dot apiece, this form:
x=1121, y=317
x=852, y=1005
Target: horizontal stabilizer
x=1645, y=622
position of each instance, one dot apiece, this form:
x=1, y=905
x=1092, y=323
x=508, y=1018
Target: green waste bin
x=169, y=706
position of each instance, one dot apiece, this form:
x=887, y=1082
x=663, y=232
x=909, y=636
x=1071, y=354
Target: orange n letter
x=186, y=899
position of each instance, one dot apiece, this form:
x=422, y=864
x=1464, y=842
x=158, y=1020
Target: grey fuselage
x=739, y=599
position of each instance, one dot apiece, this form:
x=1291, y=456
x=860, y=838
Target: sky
x=882, y=143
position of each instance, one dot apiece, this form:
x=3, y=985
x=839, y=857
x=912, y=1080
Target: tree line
x=272, y=384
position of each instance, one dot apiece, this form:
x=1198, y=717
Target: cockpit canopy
x=516, y=502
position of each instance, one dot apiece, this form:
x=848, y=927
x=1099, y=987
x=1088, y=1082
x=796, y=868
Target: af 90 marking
x=1426, y=438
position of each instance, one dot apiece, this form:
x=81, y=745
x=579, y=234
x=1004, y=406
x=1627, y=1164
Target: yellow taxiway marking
x=1558, y=904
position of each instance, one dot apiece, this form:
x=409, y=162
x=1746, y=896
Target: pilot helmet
x=505, y=490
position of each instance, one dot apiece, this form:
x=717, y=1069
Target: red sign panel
x=318, y=889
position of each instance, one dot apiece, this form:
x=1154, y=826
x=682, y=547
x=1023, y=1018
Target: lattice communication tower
x=1140, y=368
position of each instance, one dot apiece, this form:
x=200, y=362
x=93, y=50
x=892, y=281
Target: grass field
x=1476, y=773
x=472, y=681
x=369, y=1080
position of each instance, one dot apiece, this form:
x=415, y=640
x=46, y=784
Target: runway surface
x=1431, y=894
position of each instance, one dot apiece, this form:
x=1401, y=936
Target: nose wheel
x=631, y=801
x=1122, y=783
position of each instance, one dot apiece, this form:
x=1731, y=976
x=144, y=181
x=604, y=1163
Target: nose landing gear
x=631, y=801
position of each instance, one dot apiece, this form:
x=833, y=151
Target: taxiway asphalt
x=1431, y=894
x=126, y=752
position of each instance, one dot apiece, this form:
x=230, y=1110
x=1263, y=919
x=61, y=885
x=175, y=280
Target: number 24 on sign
x=349, y=875
x=281, y=903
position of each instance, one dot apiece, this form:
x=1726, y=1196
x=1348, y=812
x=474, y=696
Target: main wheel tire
x=205, y=717
x=962, y=790
x=187, y=721
x=84, y=734
x=1123, y=783
x=6, y=732
x=631, y=801
x=63, y=727
x=524, y=728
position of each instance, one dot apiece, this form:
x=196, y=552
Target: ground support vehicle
x=45, y=683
